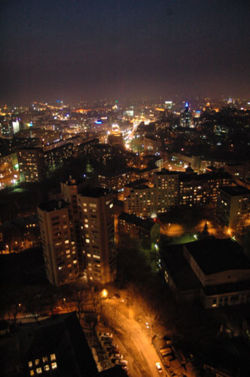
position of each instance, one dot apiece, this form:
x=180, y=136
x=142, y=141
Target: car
x=124, y=362
x=158, y=367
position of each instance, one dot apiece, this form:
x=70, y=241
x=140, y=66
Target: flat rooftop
x=217, y=255
x=94, y=192
x=235, y=190
x=132, y=219
x=179, y=268
x=53, y=205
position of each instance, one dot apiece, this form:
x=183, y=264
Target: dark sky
x=77, y=49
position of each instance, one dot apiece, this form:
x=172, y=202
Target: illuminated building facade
x=134, y=227
x=186, y=117
x=233, y=208
x=56, y=154
x=141, y=200
x=167, y=186
x=69, y=191
x=9, y=173
x=59, y=247
x=115, y=181
x=201, y=189
x=31, y=164
x=97, y=226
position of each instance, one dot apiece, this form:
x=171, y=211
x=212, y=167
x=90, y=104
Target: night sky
x=84, y=49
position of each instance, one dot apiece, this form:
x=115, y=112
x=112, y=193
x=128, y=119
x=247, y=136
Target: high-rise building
x=69, y=191
x=186, y=117
x=233, y=208
x=59, y=247
x=31, y=164
x=167, y=186
x=97, y=225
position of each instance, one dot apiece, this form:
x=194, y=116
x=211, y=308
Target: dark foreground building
x=216, y=271
x=52, y=347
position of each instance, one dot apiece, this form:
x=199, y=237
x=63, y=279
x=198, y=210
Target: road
x=133, y=340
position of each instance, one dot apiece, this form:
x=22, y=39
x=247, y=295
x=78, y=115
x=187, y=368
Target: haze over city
x=79, y=50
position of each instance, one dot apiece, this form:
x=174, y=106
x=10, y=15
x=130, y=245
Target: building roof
x=132, y=219
x=217, y=255
x=94, y=192
x=179, y=268
x=167, y=172
x=53, y=205
x=235, y=190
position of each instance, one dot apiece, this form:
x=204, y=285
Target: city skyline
x=75, y=50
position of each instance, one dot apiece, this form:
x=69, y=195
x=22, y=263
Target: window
x=53, y=356
x=46, y=367
x=45, y=358
x=39, y=370
x=32, y=373
x=37, y=362
x=30, y=364
x=54, y=365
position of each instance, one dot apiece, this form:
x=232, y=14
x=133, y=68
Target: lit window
x=39, y=370
x=54, y=365
x=86, y=225
x=46, y=367
x=45, y=358
x=87, y=240
x=67, y=241
x=32, y=373
x=37, y=361
x=30, y=364
x=53, y=356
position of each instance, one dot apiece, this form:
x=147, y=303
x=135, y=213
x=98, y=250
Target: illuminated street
x=132, y=339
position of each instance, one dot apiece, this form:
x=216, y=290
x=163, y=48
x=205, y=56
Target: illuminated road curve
x=132, y=340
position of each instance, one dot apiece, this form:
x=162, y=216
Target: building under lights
x=186, y=117
x=59, y=247
x=31, y=164
x=97, y=228
x=233, y=208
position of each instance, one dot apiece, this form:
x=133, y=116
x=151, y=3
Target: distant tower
x=59, y=249
x=97, y=226
x=186, y=116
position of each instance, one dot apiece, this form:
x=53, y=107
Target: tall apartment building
x=233, y=208
x=167, y=187
x=69, y=191
x=31, y=164
x=59, y=247
x=140, y=200
x=201, y=189
x=97, y=226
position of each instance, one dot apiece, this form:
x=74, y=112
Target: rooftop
x=217, y=255
x=132, y=219
x=235, y=190
x=167, y=172
x=94, y=192
x=179, y=268
x=53, y=205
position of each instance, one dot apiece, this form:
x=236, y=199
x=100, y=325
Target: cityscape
x=124, y=190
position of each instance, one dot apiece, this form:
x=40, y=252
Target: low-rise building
x=214, y=270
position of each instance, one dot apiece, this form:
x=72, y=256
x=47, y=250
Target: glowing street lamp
x=104, y=293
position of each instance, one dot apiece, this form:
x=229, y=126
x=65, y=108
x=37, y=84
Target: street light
x=104, y=293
